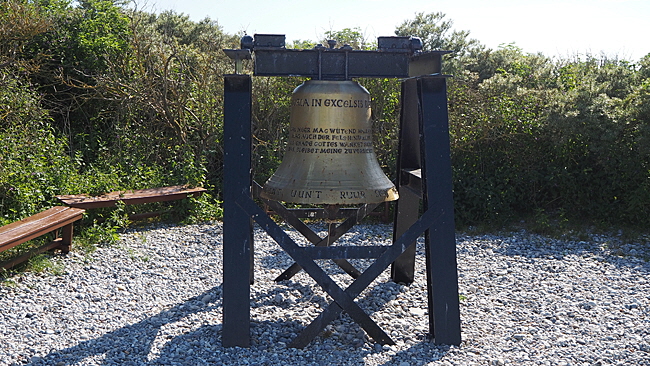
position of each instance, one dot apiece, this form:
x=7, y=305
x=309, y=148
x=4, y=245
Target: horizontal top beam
x=396, y=57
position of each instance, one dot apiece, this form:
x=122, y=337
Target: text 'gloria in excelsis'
x=336, y=103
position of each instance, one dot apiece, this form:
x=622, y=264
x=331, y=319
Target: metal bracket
x=238, y=56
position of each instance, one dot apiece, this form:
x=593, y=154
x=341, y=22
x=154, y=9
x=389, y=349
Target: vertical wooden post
x=440, y=239
x=66, y=237
x=237, y=225
x=407, y=207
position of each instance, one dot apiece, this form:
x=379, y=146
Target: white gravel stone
x=155, y=299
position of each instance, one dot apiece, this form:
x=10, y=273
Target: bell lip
x=389, y=195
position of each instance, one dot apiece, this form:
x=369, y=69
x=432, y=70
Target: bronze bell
x=329, y=157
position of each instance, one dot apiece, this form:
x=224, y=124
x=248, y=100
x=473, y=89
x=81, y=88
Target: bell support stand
x=237, y=224
x=424, y=173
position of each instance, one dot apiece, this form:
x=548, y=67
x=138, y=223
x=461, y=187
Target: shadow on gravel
x=133, y=344
x=147, y=342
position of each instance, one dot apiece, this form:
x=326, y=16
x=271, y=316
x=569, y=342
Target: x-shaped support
x=331, y=237
x=343, y=299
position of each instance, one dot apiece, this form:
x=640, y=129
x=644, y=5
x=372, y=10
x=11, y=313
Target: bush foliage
x=96, y=96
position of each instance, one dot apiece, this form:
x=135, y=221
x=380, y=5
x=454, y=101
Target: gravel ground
x=155, y=299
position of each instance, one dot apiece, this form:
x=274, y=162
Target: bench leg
x=66, y=236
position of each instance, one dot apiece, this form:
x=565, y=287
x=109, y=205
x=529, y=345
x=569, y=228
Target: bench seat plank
x=34, y=226
x=131, y=197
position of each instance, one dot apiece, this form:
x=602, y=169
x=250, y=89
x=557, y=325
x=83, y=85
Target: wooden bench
x=132, y=197
x=35, y=226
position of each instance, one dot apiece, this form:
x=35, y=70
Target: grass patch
x=43, y=263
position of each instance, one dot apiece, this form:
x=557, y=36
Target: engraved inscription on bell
x=329, y=158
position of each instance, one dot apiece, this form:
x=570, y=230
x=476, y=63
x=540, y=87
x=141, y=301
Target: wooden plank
x=34, y=226
x=131, y=197
x=345, y=252
x=47, y=213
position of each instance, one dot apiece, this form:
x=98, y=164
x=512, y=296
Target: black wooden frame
x=424, y=173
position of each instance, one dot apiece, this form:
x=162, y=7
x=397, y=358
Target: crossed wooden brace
x=310, y=235
x=343, y=299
